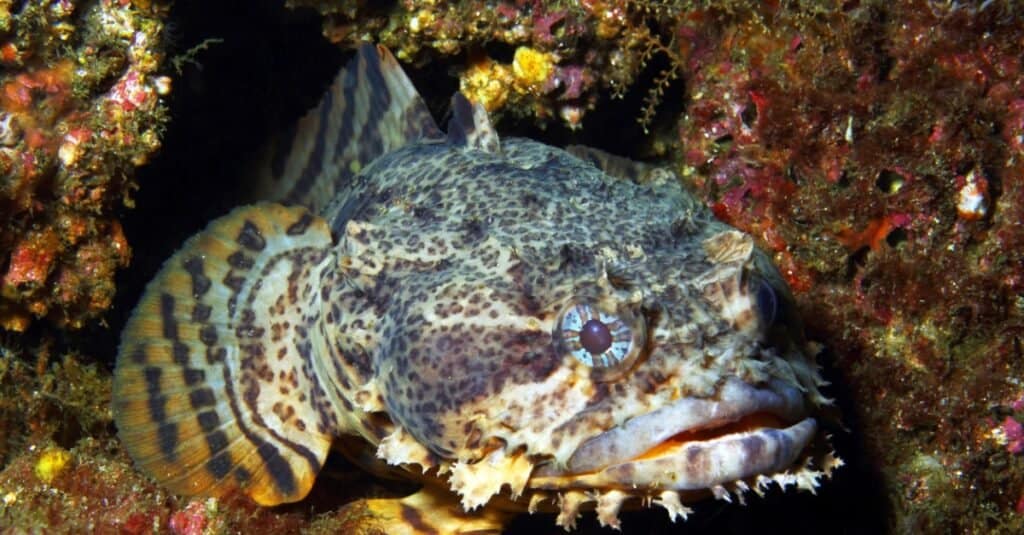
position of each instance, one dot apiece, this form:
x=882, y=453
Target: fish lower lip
x=641, y=434
x=698, y=465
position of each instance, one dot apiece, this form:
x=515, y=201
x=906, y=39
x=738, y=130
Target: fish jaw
x=693, y=444
x=699, y=465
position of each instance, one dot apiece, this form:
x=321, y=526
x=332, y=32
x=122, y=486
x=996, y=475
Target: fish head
x=608, y=370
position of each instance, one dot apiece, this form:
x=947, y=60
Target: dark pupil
x=595, y=337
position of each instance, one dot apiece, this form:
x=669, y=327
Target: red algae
x=871, y=147
x=592, y=46
x=68, y=144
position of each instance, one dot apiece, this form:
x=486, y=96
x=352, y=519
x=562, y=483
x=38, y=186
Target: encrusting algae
x=51, y=463
x=79, y=110
x=531, y=68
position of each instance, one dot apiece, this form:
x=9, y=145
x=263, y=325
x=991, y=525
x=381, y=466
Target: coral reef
x=539, y=60
x=875, y=149
x=93, y=488
x=46, y=398
x=79, y=110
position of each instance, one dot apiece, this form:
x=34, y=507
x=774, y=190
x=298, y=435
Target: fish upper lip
x=640, y=434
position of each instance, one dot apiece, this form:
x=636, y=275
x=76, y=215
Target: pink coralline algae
x=1013, y=432
x=190, y=521
x=572, y=80
x=544, y=23
x=131, y=93
x=79, y=94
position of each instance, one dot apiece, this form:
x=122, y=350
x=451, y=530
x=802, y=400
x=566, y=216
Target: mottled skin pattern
x=473, y=256
x=420, y=307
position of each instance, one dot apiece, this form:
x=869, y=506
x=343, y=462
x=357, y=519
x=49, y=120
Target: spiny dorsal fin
x=371, y=108
x=216, y=386
x=470, y=126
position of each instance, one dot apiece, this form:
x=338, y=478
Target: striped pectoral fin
x=216, y=387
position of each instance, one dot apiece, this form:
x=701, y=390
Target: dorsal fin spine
x=470, y=126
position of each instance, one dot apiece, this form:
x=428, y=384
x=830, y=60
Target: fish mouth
x=694, y=444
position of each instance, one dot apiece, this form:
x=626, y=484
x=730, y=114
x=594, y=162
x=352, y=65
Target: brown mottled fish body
x=506, y=317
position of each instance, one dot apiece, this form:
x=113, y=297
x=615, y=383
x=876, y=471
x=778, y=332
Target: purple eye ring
x=594, y=337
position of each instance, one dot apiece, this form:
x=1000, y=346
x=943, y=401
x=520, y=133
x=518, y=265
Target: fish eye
x=599, y=339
